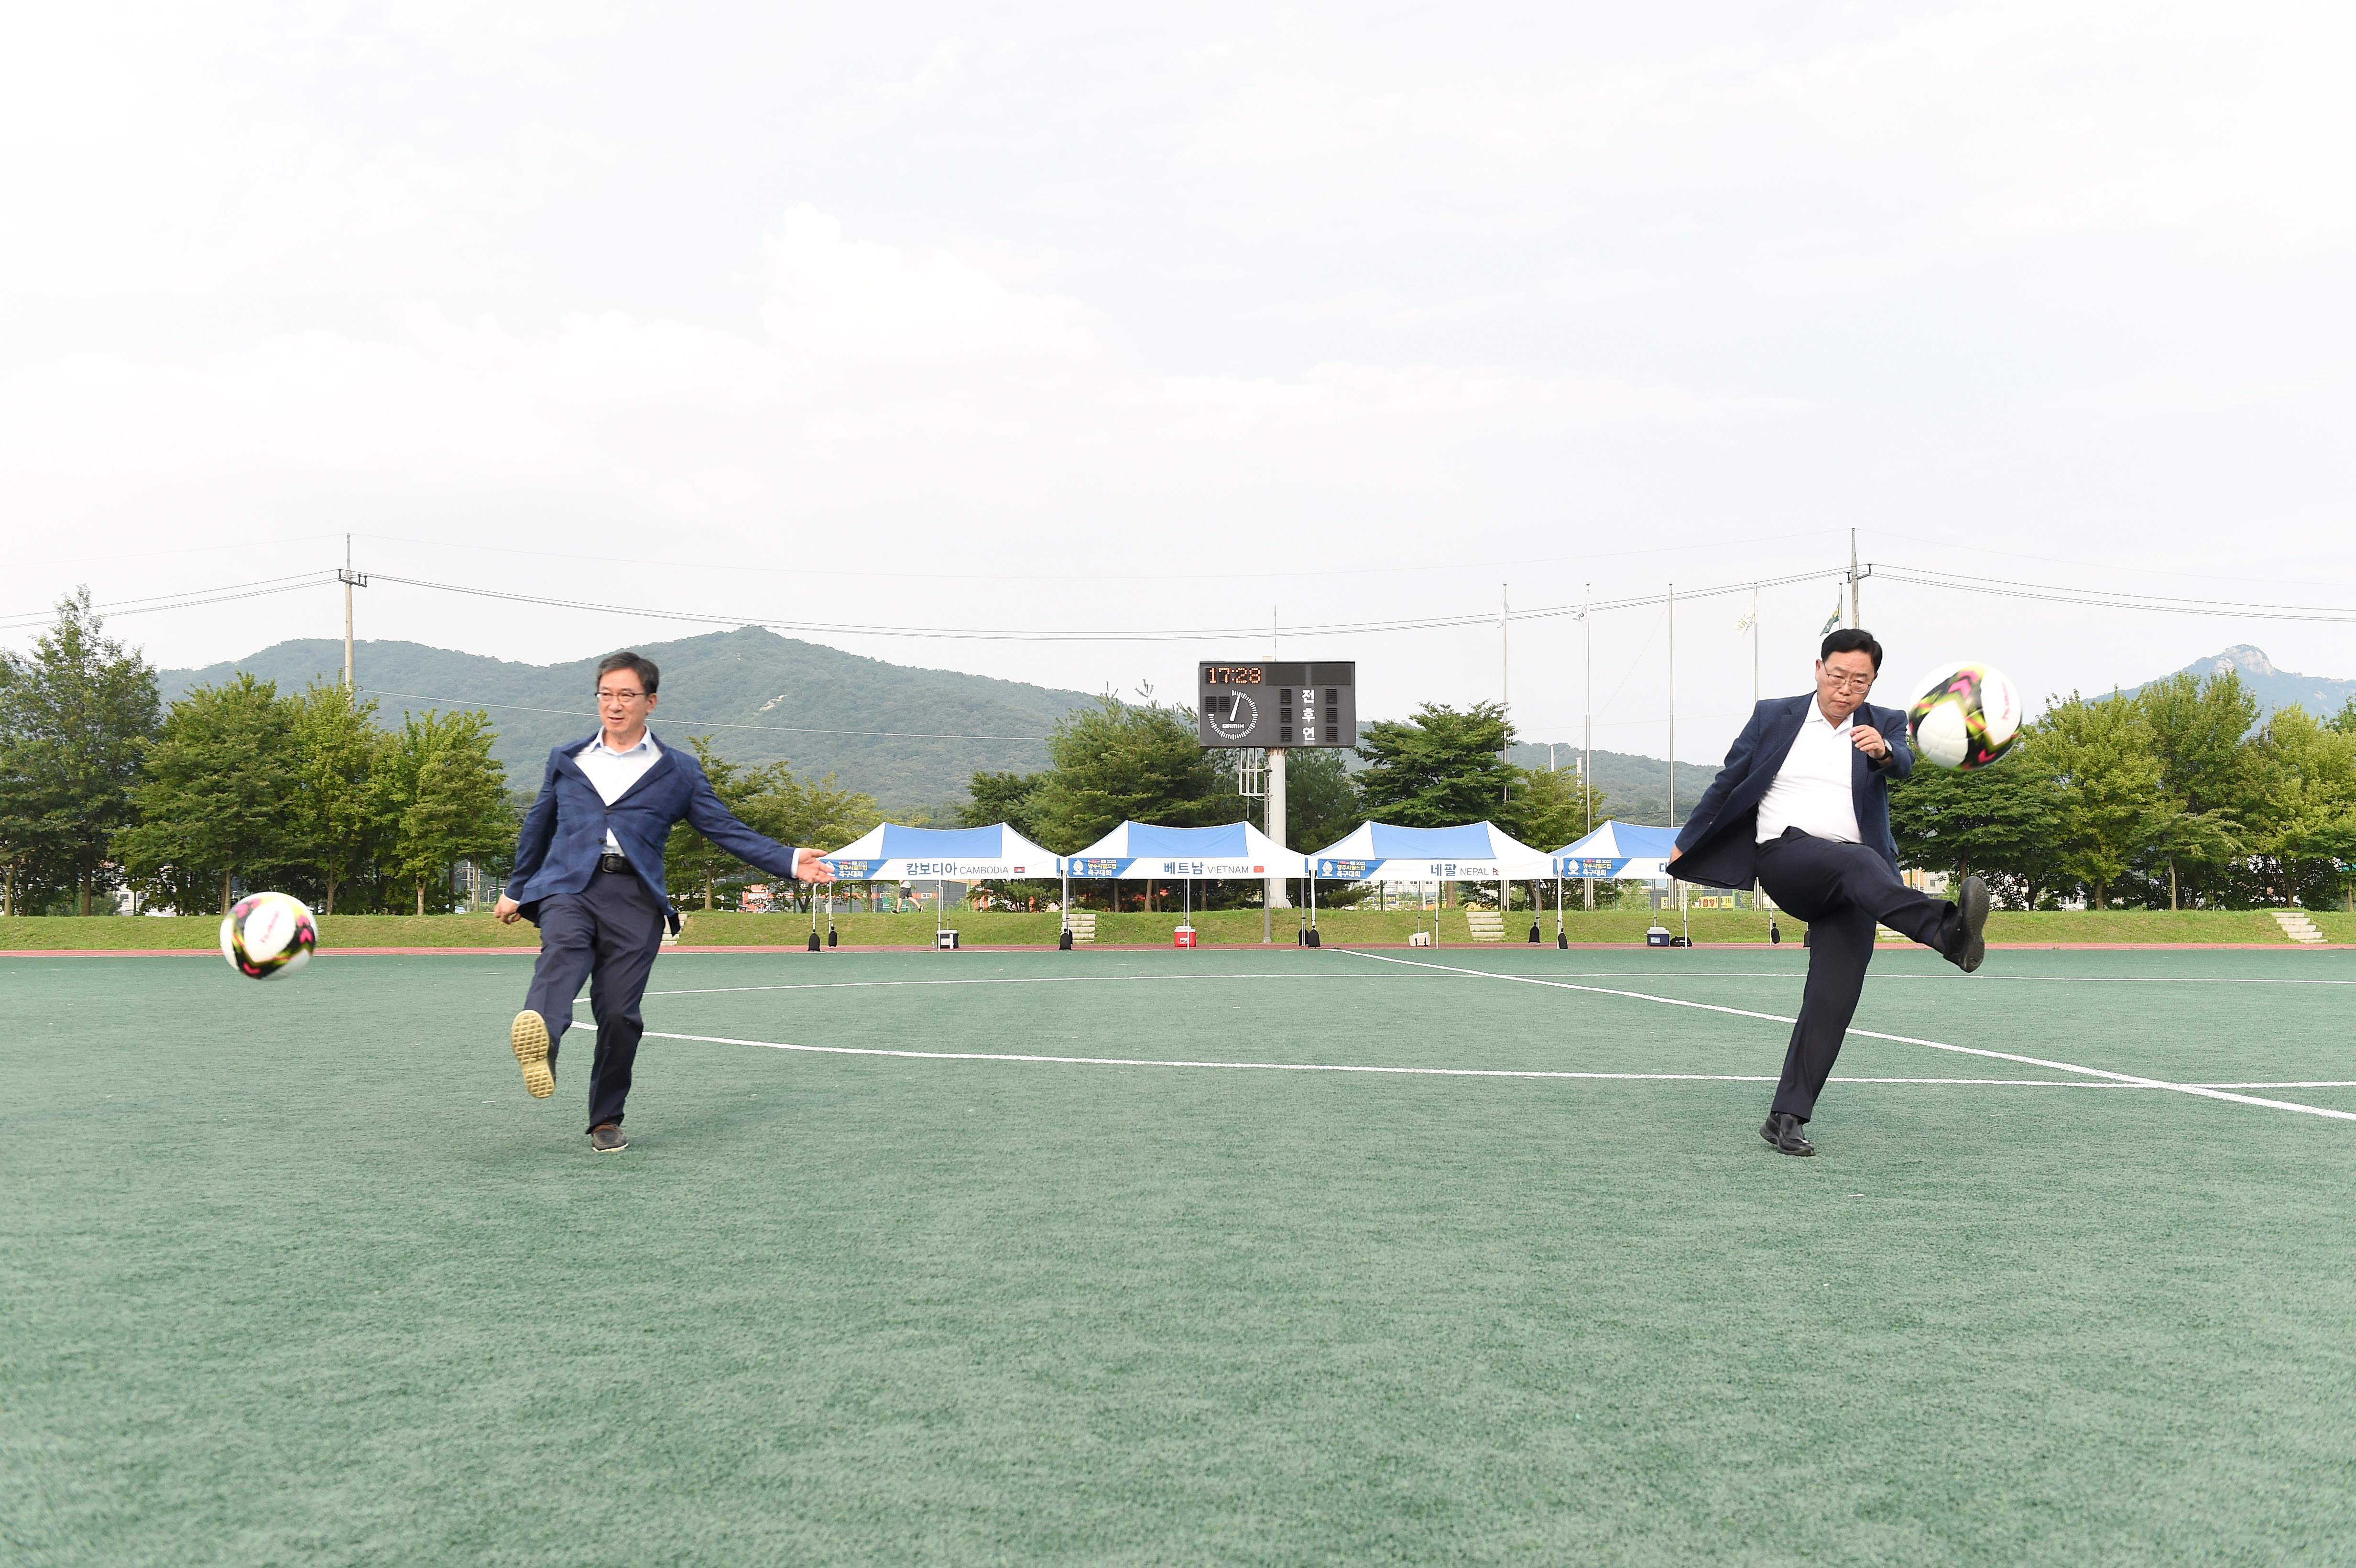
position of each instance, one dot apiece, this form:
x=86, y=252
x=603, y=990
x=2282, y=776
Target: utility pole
x=1672, y=705
x=350, y=579
x=1853, y=621
x=1505, y=679
x=1587, y=735
x=1754, y=644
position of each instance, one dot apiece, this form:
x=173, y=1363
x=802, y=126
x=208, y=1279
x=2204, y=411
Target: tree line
x=103, y=787
x=238, y=786
x=2172, y=797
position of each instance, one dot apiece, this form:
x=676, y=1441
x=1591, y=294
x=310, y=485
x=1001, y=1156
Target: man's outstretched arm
x=717, y=823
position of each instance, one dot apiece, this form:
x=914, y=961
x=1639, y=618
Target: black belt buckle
x=614, y=864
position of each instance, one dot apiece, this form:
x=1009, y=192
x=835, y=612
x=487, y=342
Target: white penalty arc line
x=2129, y=1078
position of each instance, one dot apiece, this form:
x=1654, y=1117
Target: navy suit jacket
x=1721, y=839
x=565, y=832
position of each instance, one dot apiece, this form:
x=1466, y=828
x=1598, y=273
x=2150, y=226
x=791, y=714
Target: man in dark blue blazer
x=1801, y=809
x=589, y=873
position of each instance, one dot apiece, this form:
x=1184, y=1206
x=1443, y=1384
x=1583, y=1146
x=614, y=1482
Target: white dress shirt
x=1812, y=790
x=612, y=773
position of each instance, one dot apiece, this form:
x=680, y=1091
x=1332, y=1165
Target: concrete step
x=2296, y=927
x=1487, y=924
x=1084, y=925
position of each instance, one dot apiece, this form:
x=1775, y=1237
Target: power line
x=803, y=572
x=694, y=724
x=182, y=601
x=2229, y=609
x=2223, y=609
x=985, y=634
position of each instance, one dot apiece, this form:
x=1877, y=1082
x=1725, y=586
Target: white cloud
x=2181, y=395
x=870, y=104
x=866, y=349
x=1934, y=127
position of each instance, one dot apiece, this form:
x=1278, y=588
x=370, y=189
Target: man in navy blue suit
x=1802, y=808
x=589, y=873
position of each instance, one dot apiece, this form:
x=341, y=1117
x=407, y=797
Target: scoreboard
x=1284, y=705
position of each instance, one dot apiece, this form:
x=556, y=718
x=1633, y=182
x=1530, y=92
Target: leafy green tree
x=770, y=800
x=78, y=714
x=28, y=848
x=445, y=795
x=1549, y=809
x=215, y=794
x=1998, y=822
x=2200, y=733
x=692, y=865
x=340, y=815
x=1117, y=762
x=2179, y=837
x=1439, y=769
x=2102, y=758
x=2306, y=825
x=1009, y=798
x=1320, y=798
x=817, y=813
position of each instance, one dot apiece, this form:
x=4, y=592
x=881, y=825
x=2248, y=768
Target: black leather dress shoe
x=1964, y=946
x=1783, y=1132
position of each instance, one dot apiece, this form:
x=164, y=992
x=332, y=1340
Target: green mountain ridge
x=1635, y=788
x=908, y=736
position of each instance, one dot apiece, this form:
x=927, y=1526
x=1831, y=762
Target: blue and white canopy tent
x=1136, y=849
x=1383, y=852
x=1616, y=850
x=889, y=852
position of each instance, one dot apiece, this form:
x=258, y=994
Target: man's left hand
x=1869, y=740
x=808, y=867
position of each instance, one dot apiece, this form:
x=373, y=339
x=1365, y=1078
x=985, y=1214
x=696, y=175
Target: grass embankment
x=1225, y=928
x=121, y=932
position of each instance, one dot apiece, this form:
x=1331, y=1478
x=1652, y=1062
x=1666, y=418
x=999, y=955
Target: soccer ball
x=1967, y=716
x=266, y=934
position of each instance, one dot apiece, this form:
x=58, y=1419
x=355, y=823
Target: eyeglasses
x=1849, y=682
x=605, y=696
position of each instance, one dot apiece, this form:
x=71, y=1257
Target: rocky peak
x=2241, y=656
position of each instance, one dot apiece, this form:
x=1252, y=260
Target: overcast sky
x=1104, y=317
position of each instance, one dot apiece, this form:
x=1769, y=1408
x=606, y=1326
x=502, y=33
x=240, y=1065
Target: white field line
x=1481, y=974
x=1876, y=1034
x=971, y=980
x=1347, y=1067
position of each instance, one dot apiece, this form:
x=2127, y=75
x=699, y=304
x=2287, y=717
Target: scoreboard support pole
x=1273, y=896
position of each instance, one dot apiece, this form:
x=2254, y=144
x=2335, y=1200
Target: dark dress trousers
x=1842, y=890
x=605, y=927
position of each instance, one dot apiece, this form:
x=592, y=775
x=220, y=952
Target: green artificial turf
x=292, y=1272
